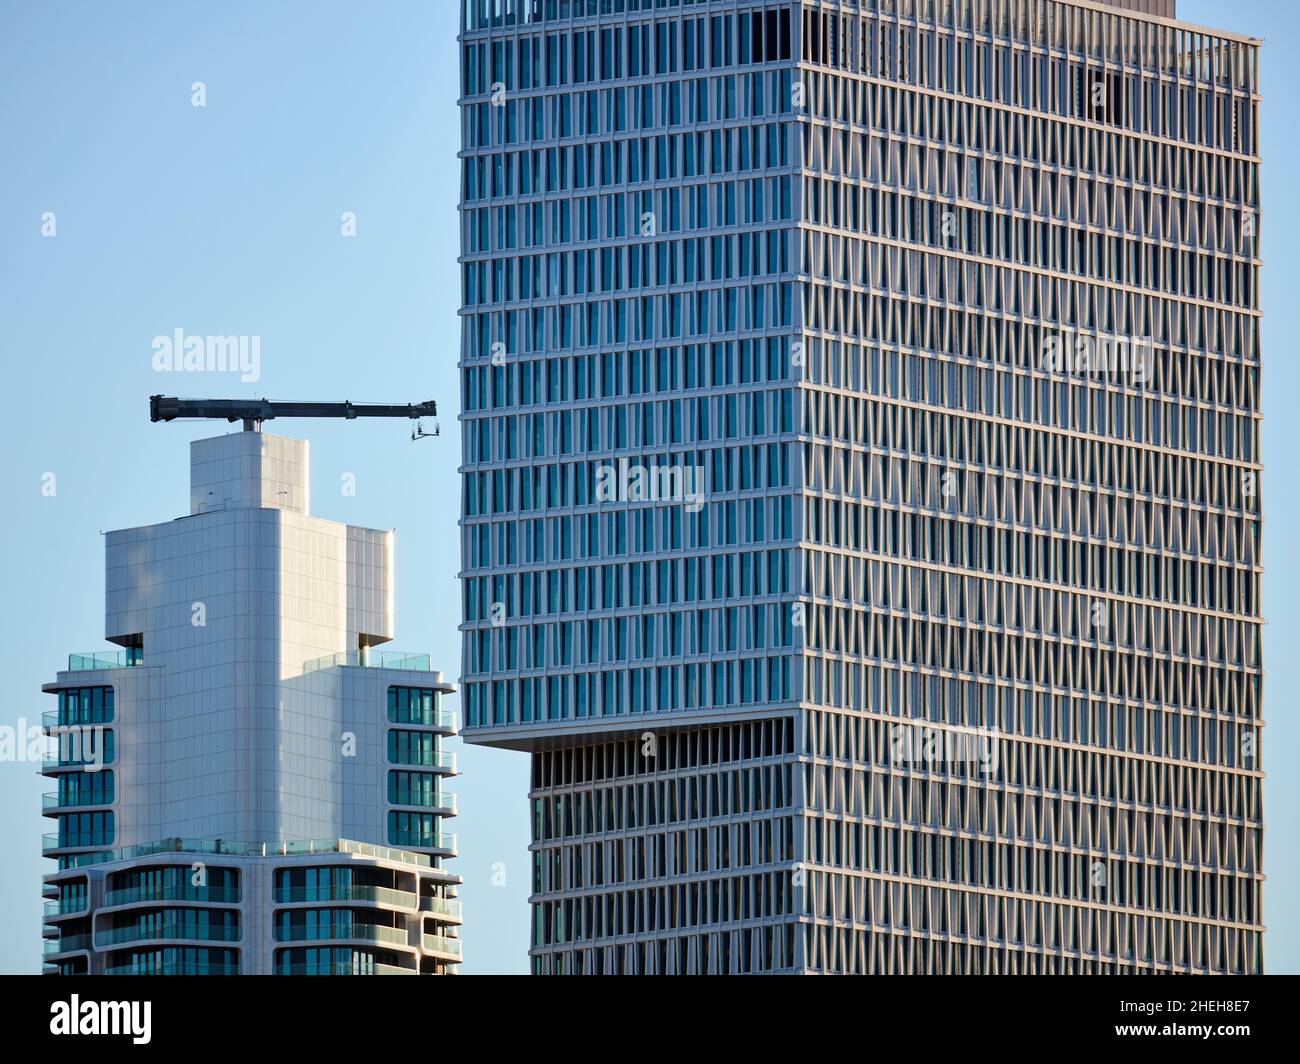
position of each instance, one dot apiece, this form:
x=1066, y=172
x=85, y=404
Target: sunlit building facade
x=247, y=785
x=861, y=480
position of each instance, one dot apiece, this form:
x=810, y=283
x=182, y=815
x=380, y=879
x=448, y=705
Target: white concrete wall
x=235, y=741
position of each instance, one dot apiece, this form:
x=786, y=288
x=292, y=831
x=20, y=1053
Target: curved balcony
x=51, y=763
x=116, y=936
x=175, y=968
x=51, y=719
x=443, y=843
x=442, y=804
x=75, y=840
x=442, y=761
x=443, y=947
x=56, y=910
x=356, y=932
x=52, y=804
x=172, y=892
x=225, y=848
x=71, y=742
x=342, y=968
x=68, y=944
x=448, y=909
x=443, y=720
x=357, y=892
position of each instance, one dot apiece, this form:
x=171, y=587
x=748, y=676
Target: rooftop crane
x=254, y=411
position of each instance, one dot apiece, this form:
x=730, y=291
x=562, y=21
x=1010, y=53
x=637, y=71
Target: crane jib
x=169, y=408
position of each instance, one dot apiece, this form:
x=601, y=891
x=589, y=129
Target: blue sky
x=225, y=220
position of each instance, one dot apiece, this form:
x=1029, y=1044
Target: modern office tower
x=861, y=510
x=247, y=786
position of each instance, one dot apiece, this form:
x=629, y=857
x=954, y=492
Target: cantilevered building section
x=861, y=506
x=246, y=786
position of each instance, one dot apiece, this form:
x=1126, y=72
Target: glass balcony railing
x=442, y=944
x=89, y=746
x=53, y=800
x=417, y=799
x=371, y=659
x=53, y=718
x=448, y=907
x=343, y=968
x=115, y=936
x=175, y=968
x=332, y=932
x=53, y=761
x=430, y=840
x=441, y=760
x=67, y=944
x=106, y=659
x=360, y=849
x=397, y=899
x=172, y=892
x=66, y=907
x=444, y=718
x=254, y=849
x=73, y=839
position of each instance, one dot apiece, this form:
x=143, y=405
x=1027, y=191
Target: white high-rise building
x=246, y=786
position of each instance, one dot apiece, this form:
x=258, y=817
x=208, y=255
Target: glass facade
x=861, y=511
x=81, y=745
x=419, y=708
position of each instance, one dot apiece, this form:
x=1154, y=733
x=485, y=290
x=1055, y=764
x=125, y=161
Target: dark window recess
x=1105, y=99
x=769, y=35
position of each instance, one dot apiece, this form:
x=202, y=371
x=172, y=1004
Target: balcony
x=120, y=659
x=373, y=659
x=74, y=840
x=66, y=907
x=116, y=936
x=442, y=804
x=441, y=761
x=67, y=944
x=52, y=800
x=175, y=968
x=89, y=746
x=395, y=936
x=361, y=892
x=442, y=946
x=342, y=968
x=444, y=907
x=442, y=841
x=443, y=719
x=172, y=892
x=254, y=849
x=53, y=718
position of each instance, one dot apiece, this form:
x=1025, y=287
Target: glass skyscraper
x=861, y=510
